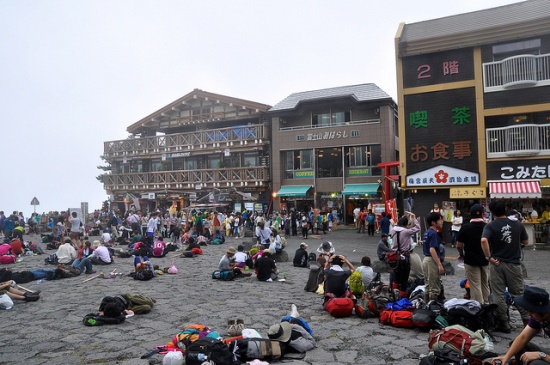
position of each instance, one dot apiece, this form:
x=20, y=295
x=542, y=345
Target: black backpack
x=484, y=319
x=214, y=350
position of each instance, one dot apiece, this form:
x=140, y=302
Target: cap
x=476, y=211
x=303, y=245
x=384, y=235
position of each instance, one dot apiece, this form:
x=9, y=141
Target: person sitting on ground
x=275, y=244
x=66, y=253
x=536, y=302
x=85, y=250
x=293, y=333
x=159, y=249
x=366, y=271
x=383, y=247
x=336, y=276
x=242, y=259
x=301, y=256
x=227, y=263
x=16, y=246
x=106, y=236
x=114, y=306
x=8, y=288
x=191, y=244
x=326, y=249
x=101, y=255
x=266, y=267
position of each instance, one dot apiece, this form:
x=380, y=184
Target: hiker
x=366, y=271
x=227, y=263
x=402, y=241
x=336, y=276
x=536, y=302
x=301, y=256
x=326, y=249
x=383, y=247
x=431, y=265
x=242, y=258
x=262, y=234
x=275, y=244
x=266, y=267
x=8, y=288
x=85, y=250
x=114, y=306
x=101, y=255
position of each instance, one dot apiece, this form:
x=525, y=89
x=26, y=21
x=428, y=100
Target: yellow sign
x=468, y=193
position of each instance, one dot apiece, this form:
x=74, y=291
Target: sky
x=75, y=74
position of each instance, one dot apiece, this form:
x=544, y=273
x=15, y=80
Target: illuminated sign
x=303, y=174
x=359, y=172
x=441, y=175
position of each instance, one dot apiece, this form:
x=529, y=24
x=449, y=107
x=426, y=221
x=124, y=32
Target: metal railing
x=180, y=142
x=517, y=72
x=525, y=140
x=187, y=179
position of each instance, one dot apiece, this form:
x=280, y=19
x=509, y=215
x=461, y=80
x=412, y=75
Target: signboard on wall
x=518, y=170
x=441, y=129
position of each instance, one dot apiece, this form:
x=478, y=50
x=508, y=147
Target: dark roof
x=520, y=20
x=363, y=92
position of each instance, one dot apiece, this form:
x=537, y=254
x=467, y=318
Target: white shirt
x=367, y=273
x=456, y=220
x=66, y=253
x=151, y=225
x=75, y=224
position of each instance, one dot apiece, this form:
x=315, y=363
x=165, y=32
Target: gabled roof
x=509, y=22
x=184, y=101
x=362, y=92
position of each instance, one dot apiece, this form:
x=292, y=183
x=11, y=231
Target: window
x=136, y=166
x=503, y=51
x=330, y=119
x=250, y=159
x=214, y=162
x=191, y=164
x=296, y=161
x=329, y=162
x=365, y=156
x=156, y=165
x=178, y=164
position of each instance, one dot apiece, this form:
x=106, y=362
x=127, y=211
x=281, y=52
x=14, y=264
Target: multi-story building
x=326, y=147
x=203, y=148
x=474, y=107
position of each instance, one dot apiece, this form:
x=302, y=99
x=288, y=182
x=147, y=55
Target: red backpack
x=338, y=307
x=460, y=340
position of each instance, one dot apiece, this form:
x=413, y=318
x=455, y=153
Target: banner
x=391, y=209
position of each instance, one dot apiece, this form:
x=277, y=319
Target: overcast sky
x=76, y=73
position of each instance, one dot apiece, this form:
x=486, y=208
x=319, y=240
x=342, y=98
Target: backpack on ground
x=259, y=348
x=215, y=351
x=5, y=249
x=402, y=319
x=223, y=275
x=366, y=308
x=338, y=307
x=311, y=257
x=316, y=277
x=424, y=318
x=8, y=259
x=144, y=275
x=484, y=318
x=94, y=319
x=461, y=340
x=187, y=336
x=441, y=357
x=51, y=260
x=355, y=282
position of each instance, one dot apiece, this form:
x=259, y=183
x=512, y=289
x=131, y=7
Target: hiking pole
x=93, y=277
x=25, y=289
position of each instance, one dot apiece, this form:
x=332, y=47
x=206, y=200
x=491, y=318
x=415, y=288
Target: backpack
x=259, y=348
x=441, y=357
x=51, y=260
x=311, y=257
x=402, y=319
x=144, y=275
x=5, y=249
x=366, y=308
x=338, y=307
x=355, y=282
x=93, y=319
x=461, y=340
x=423, y=318
x=7, y=259
x=215, y=351
x=223, y=275
x=392, y=259
x=484, y=319
x=187, y=336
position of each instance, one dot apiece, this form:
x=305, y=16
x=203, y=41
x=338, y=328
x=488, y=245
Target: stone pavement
x=50, y=331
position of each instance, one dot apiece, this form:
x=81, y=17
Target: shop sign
x=359, y=172
x=518, y=170
x=326, y=136
x=468, y=193
x=303, y=174
x=179, y=154
x=443, y=176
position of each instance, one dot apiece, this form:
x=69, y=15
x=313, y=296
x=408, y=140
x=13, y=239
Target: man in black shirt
x=267, y=270
x=335, y=276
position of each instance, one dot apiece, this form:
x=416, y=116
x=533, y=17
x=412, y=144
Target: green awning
x=293, y=190
x=361, y=189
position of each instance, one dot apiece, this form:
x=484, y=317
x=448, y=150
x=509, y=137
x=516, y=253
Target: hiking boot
x=31, y=297
x=503, y=327
x=90, y=272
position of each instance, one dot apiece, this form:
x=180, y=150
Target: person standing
x=402, y=241
x=370, y=223
x=468, y=244
x=74, y=233
x=356, y=212
x=385, y=224
x=501, y=243
x=431, y=265
x=456, y=224
x=152, y=225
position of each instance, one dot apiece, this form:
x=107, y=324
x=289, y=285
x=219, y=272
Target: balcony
x=309, y=126
x=517, y=72
x=517, y=141
x=187, y=179
x=249, y=135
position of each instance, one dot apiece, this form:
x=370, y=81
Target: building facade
x=203, y=149
x=326, y=147
x=474, y=108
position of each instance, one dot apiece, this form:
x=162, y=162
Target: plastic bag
x=251, y=333
x=173, y=269
x=173, y=358
x=5, y=302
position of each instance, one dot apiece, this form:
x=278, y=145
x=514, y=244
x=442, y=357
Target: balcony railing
x=180, y=142
x=517, y=72
x=525, y=140
x=187, y=179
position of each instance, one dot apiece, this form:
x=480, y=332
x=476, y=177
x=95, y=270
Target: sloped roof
x=197, y=94
x=520, y=20
x=362, y=92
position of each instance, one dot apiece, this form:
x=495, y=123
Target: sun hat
x=476, y=211
x=535, y=300
x=231, y=250
x=280, y=332
x=327, y=247
x=303, y=245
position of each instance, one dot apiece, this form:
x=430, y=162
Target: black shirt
x=300, y=258
x=470, y=236
x=265, y=266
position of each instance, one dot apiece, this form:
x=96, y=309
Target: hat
x=476, y=211
x=535, y=300
x=327, y=247
x=231, y=250
x=303, y=245
x=384, y=235
x=67, y=240
x=280, y=332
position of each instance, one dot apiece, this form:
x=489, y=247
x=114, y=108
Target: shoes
x=90, y=272
x=503, y=327
x=31, y=297
x=235, y=328
x=247, y=274
x=294, y=311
